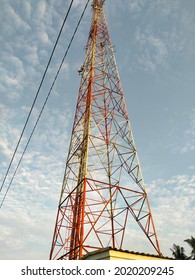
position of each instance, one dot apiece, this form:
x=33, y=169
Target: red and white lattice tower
x=103, y=187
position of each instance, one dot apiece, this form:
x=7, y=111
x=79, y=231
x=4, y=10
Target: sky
x=154, y=47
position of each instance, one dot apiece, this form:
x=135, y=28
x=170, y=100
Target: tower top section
x=98, y=3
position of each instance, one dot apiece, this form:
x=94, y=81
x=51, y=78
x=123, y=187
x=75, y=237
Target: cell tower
x=103, y=188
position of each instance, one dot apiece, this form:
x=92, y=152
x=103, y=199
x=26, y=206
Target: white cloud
x=25, y=36
x=16, y=21
x=188, y=148
x=189, y=135
x=159, y=49
x=153, y=51
x=31, y=55
x=27, y=9
x=191, y=167
x=43, y=37
x=5, y=148
x=172, y=203
x=40, y=8
x=35, y=230
x=79, y=4
x=32, y=201
x=12, y=75
x=135, y=6
x=4, y=112
x=182, y=139
x=162, y=32
x=33, y=197
x=7, y=139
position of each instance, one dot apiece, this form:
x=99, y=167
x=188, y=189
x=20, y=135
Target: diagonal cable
x=36, y=96
x=39, y=116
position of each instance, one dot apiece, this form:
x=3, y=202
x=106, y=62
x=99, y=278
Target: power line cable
x=39, y=116
x=36, y=96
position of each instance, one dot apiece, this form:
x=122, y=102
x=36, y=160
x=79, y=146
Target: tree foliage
x=178, y=252
x=191, y=243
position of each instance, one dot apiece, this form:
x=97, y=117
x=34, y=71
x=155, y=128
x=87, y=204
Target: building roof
x=110, y=253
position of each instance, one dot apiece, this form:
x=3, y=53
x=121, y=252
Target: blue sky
x=154, y=42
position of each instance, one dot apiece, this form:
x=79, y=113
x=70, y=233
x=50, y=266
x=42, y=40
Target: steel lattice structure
x=103, y=187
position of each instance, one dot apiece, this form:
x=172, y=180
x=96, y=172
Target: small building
x=116, y=254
